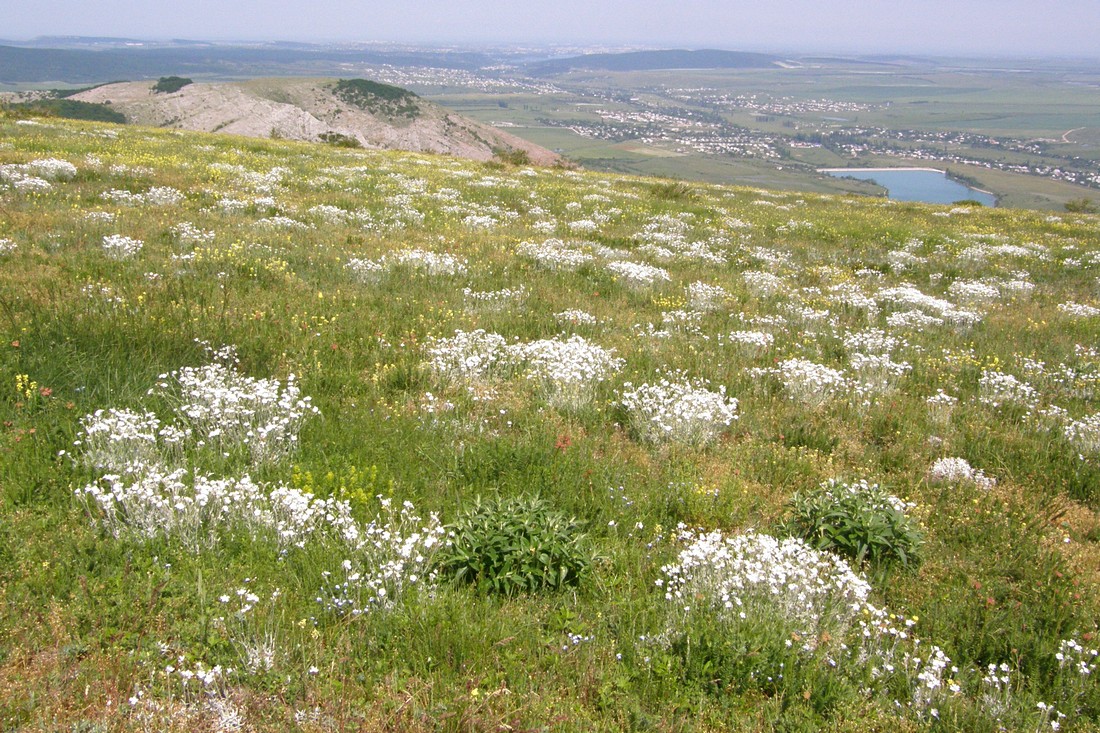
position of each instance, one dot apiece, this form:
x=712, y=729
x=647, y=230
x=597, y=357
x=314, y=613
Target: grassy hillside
x=304, y=438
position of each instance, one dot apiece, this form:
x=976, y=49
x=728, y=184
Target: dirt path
x=1067, y=133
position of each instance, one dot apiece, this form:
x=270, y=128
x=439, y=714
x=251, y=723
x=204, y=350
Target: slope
x=311, y=110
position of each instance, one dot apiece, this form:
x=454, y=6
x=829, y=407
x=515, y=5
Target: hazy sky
x=973, y=27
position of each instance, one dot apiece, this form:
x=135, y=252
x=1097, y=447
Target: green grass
x=89, y=619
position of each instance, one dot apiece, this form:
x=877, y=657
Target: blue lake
x=929, y=186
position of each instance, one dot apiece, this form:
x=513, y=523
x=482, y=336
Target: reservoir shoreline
x=910, y=189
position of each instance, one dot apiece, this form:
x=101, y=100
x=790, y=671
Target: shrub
x=339, y=140
x=859, y=520
x=378, y=99
x=170, y=84
x=673, y=191
x=70, y=109
x=1083, y=205
x=517, y=545
x=512, y=156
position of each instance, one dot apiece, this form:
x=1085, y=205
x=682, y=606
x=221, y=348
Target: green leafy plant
x=858, y=520
x=517, y=545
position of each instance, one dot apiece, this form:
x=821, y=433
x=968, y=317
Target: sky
x=959, y=27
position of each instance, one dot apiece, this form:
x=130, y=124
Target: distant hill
x=86, y=65
x=652, y=60
x=354, y=112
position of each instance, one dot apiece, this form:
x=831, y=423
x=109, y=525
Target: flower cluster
x=877, y=373
x=494, y=301
x=678, y=411
x=554, y=254
x=188, y=233
x=576, y=317
x=998, y=388
x=872, y=341
x=119, y=247
x=223, y=409
x=394, y=555
x=704, y=297
x=1084, y=433
x=940, y=406
x=637, y=274
x=468, y=356
x=946, y=311
x=752, y=342
x=763, y=284
x=568, y=371
x=749, y=575
x=959, y=470
x=1078, y=310
x=810, y=383
x=974, y=292
x=366, y=271
x=199, y=510
x=156, y=196
x=418, y=260
x=52, y=169
x=37, y=174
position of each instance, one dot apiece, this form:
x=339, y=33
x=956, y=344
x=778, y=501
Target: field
x=981, y=118
x=305, y=438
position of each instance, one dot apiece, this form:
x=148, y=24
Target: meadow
x=297, y=437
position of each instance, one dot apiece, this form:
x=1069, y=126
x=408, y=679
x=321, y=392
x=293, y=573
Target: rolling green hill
x=297, y=437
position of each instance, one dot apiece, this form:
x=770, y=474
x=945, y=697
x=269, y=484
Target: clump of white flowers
x=365, y=270
x=119, y=247
x=418, y=260
x=162, y=196
x=678, y=410
x=743, y=577
x=199, y=510
x=637, y=274
x=998, y=388
x=114, y=440
x=223, y=409
x=429, y=263
x=752, y=343
x=1084, y=433
x=763, y=284
x=494, y=301
x=188, y=233
x=554, y=254
x=567, y=371
x=704, y=297
x=877, y=373
x=944, y=310
x=810, y=383
x=468, y=356
x=37, y=174
x=940, y=407
x=959, y=470
x=872, y=341
x=52, y=169
x=576, y=317
x=973, y=292
x=1078, y=310
x=392, y=556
